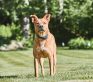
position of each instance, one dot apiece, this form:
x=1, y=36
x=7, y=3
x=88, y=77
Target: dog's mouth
x=41, y=33
x=40, y=30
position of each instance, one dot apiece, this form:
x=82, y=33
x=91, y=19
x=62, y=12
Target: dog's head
x=41, y=25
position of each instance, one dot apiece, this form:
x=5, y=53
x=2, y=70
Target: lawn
x=72, y=66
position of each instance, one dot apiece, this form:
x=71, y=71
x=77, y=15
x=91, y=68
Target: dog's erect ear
x=47, y=17
x=34, y=18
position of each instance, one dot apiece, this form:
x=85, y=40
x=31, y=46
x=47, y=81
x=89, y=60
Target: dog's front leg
x=36, y=66
x=51, y=65
x=41, y=60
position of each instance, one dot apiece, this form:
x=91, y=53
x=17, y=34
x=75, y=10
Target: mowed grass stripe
x=4, y=63
x=28, y=58
x=25, y=57
x=87, y=54
x=14, y=59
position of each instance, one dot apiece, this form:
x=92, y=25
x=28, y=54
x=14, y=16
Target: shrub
x=91, y=41
x=77, y=43
x=13, y=32
x=5, y=31
x=5, y=34
x=80, y=43
x=28, y=42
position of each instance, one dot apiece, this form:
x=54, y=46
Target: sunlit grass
x=17, y=66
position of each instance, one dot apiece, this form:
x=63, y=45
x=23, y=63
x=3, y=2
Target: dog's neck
x=42, y=37
x=42, y=40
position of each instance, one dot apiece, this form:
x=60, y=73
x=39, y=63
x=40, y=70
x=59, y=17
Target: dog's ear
x=34, y=18
x=47, y=17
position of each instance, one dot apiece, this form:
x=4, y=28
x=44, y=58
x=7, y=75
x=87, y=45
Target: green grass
x=17, y=66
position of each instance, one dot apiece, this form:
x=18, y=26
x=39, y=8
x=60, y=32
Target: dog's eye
x=44, y=22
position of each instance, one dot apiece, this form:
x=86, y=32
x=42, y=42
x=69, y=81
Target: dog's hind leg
x=54, y=63
x=51, y=65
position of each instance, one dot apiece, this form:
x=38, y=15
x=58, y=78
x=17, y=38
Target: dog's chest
x=42, y=50
x=43, y=54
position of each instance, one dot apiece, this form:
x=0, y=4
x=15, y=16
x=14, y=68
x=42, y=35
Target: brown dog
x=44, y=45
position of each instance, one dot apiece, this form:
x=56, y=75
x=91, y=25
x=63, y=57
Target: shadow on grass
x=62, y=48
x=67, y=48
x=11, y=76
x=17, y=76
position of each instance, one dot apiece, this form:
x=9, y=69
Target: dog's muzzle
x=41, y=28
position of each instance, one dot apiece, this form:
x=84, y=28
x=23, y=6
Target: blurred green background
x=70, y=19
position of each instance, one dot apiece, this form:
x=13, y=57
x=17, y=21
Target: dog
x=44, y=44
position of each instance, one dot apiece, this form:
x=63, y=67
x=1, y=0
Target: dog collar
x=43, y=37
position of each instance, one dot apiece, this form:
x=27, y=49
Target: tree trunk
x=60, y=9
x=60, y=6
x=46, y=8
x=26, y=27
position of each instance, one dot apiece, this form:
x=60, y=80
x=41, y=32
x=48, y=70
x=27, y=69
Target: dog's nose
x=41, y=28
